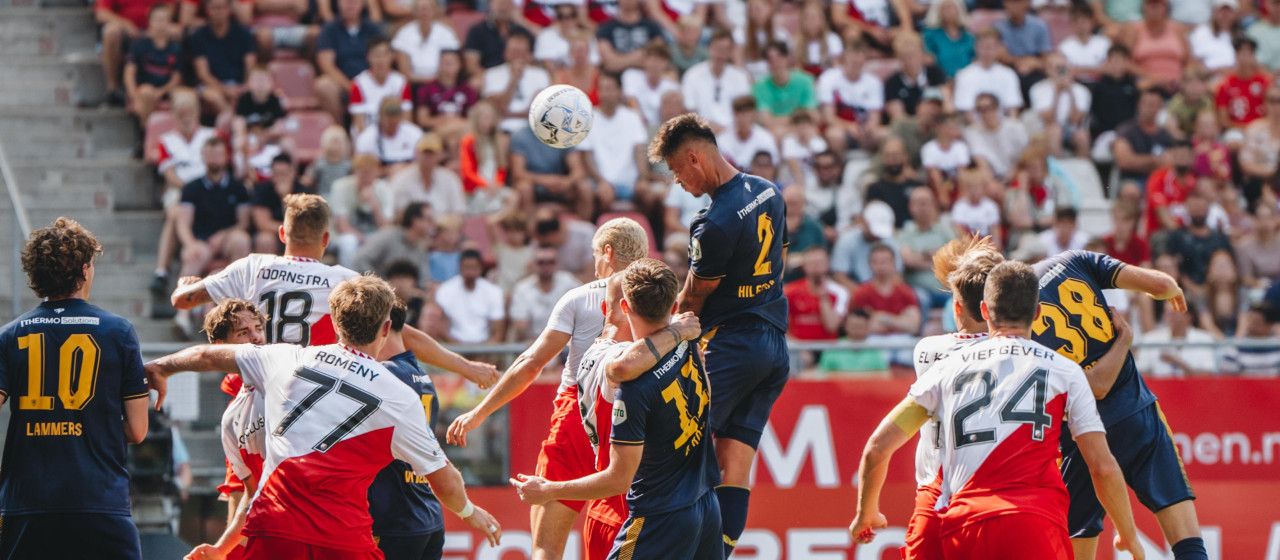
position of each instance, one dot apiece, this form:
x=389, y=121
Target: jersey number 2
x=764, y=232
x=1037, y=384
x=325, y=385
x=77, y=372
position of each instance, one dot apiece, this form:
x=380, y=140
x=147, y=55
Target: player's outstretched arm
x=432, y=352
x=205, y=357
x=1108, y=484
x=190, y=293
x=639, y=357
x=613, y=481
x=1154, y=283
x=695, y=293
x=517, y=378
x=448, y=486
x=893, y=432
x=1104, y=372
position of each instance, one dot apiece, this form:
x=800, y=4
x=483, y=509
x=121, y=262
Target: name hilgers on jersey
x=293, y=292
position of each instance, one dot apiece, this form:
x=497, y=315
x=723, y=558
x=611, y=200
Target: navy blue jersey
x=66, y=368
x=665, y=410
x=1075, y=321
x=739, y=239
x=401, y=503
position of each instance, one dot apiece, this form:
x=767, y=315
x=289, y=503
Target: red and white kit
x=293, y=292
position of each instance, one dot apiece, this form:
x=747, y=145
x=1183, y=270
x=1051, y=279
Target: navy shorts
x=417, y=547
x=690, y=533
x=69, y=536
x=1143, y=446
x=748, y=365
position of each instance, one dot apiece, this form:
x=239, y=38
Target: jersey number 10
x=77, y=372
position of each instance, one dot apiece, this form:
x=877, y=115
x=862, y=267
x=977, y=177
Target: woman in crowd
x=1159, y=47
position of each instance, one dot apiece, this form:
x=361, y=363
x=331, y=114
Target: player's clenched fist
x=532, y=489
x=480, y=373
x=863, y=528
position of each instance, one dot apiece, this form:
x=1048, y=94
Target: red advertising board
x=1227, y=432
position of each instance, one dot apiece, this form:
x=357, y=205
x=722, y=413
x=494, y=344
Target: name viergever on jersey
x=1018, y=350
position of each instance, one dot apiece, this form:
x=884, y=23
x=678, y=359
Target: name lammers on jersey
x=760, y=198
x=349, y=365
x=293, y=277
x=54, y=428
x=59, y=321
x=1039, y=352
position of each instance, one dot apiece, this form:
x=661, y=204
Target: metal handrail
x=21, y=229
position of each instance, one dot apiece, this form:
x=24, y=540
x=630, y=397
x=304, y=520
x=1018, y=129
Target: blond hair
x=335, y=134
x=627, y=237
x=359, y=308
x=306, y=218
x=933, y=18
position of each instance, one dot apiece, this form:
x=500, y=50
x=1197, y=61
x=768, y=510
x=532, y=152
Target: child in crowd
x=1086, y=51
x=378, y=82
x=973, y=212
x=334, y=162
x=1190, y=100
x=945, y=155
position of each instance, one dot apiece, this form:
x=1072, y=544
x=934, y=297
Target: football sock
x=733, y=514
x=1190, y=549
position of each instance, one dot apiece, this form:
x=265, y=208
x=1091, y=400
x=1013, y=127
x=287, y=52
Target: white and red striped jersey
x=929, y=351
x=182, y=155
x=293, y=292
x=336, y=417
x=1000, y=404
x=580, y=314
x=595, y=393
x=367, y=93
x=243, y=425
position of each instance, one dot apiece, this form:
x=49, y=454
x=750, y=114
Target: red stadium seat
x=274, y=20
x=882, y=67
x=158, y=123
x=295, y=80
x=303, y=128
x=476, y=230
x=982, y=20
x=644, y=223
x=463, y=20
x=1059, y=23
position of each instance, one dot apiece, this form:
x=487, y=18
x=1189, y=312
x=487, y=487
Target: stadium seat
x=274, y=20
x=644, y=223
x=295, y=80
x=882, y=67
x=476, y=230
x=158, y=123
x=1059, y=23
x=463, y=20
x=982, y=20
x=303, y=128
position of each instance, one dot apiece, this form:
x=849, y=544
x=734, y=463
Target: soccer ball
x=561, y=116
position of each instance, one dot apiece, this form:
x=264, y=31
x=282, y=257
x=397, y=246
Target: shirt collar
x=226, y=180
x=301, y=259
x=355, y=352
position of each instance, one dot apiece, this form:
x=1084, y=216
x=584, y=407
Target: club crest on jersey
x=619, y=412
x=695, y=249
x=59, y=310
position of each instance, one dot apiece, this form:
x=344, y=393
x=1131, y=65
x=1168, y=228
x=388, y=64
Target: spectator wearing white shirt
x=419, y=43
x=681, y=207
x=1063, y=107
x=376, y=83
x=644, y=88
x=974, y=213
x=1175, y=361
x=393, y=140
x=851, y=101
x=472, y=306
x=944, y=157
x=829, y=199
x=615, y=149
x=361, y=204
x=180, y=161
x=799, y=147
x=551, y=49
x=710, y=86
x=427, y=181
x=995, y=140
x=511, y=86
x=1211, y=41
x=535, y=296
x=1085, y=50
x=986, y=75
x=746, y=138
x=1064, y=235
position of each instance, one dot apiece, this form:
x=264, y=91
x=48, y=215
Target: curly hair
x=220, y=322
x=55, y=256
x=675, y=132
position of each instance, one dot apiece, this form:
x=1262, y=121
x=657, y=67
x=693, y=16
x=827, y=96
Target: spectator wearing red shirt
x=816, y=303
x=1123, y=242
x=1240, y=95
x=893, y=305
x=1169, y=186
x=122, y=21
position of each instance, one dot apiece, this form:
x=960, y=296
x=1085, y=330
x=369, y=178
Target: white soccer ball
x=561, y=116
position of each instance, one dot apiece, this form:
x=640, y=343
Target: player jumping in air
x=659, y=453
x=293, y=290
x=1075, y=321
x=999, y=405
x=575, y=322
x=737, y=254
x=335, y=417
x=236, y=321
x=70, y=371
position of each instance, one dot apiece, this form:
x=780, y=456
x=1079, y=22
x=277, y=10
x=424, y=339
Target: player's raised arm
x=893, y=432
x=190, y=294
x=517, y=378
x=205, y=357
x=1154, y=283
x=644, y=354
x=1107, y=369
x=432, y=352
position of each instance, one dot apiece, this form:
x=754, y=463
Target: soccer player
x=737, y=254
x=293, y=290
x=1000, y=405
x=659, y=451
x=73, y=371
x=576, y=321
x=1075, y=321
x=407, y=521
x=236, y=321
x=323, y=450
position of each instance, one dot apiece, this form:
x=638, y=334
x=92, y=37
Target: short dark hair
x=284, y=158
x=1012, y=294
x=650, y=288
x=399, y=314
x=606, y=75
x=744, y=103
x=412, y=212
x=1151, y=91
x=375, y=42
x=1243, y=41
x=968, y=280
x=403, y=267
x=777, y=46
x=675, y=133
x=214, y=142
x=1081, y=9
x=721, y=32
x=658, y=49
x=1066, y=213
x=55, y=256
x=522, y=34
x=878, y=246
x=1119, y=49
x=471, y=254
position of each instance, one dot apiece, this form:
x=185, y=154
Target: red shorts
x=276, y=548
x=597, y=538
x=924, y=541
x=1014, y=536
x=237, y=553
x=566, y=454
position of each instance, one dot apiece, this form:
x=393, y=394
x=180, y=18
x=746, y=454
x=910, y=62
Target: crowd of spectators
x=893, y=126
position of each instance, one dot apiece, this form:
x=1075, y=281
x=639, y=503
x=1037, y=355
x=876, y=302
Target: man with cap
x=851, y=256
x=393, y=141
x=428, y=181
